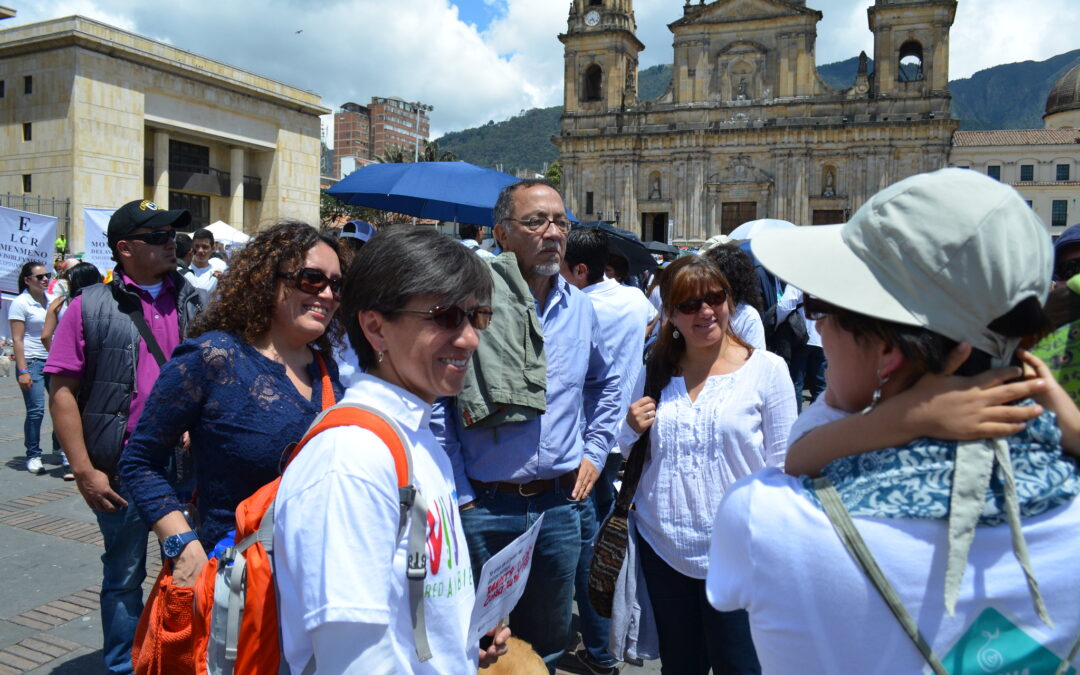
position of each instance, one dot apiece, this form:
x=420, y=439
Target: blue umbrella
x=455, y=191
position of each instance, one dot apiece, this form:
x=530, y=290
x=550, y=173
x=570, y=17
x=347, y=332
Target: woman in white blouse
x=724, y=412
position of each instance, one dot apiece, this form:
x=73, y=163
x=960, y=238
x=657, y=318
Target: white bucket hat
x=949, y=251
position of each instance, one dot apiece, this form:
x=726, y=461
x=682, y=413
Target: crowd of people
x=915, y=515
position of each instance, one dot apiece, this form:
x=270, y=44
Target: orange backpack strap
x=358, y=415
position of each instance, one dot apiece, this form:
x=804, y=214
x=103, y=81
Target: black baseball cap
x=144, y=213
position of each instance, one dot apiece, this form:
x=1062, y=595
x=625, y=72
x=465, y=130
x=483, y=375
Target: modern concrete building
x=101, y=116
x=1042, y=164
x=747, y=128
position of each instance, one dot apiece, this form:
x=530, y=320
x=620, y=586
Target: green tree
x=554, y=174
x=432, y=153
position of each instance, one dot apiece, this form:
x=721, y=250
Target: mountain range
x=1009, y=96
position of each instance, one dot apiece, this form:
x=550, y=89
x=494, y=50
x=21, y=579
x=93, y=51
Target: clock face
x=592, y=18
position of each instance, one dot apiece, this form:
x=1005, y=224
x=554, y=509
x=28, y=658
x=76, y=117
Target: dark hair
x=738, y=269
x=79, y=277
x=928, y=350
x=588, y=245
x=504, y=205
x=246, y=294
x=468, y=231
x=398, y=264
x=183, y=244
x=25, y=272
x=204, y=233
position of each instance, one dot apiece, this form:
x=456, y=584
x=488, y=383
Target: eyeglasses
x=816, y=308
x=41, y=277
x=538, y=224
x=312, y=281
x=155, y=238
x=1067, y=270
x=451, y=317
x=693, y=306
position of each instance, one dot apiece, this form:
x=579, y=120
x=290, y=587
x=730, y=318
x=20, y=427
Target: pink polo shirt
x=67, y=357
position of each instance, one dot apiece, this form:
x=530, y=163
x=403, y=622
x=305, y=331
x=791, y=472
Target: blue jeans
x=595, y=628
x=694, y=637
x=34, y=400
x=124, y=569
x=808, y=368
x=544, y=613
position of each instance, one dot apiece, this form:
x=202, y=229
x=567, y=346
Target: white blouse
x=739, y=424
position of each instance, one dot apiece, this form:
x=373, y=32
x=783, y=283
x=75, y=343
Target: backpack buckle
x=417, y=566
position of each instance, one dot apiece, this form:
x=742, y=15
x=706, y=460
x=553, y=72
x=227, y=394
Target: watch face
x=172, y=547
x=592, y=18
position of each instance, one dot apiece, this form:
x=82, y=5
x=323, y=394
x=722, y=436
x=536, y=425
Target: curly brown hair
x=244, y=301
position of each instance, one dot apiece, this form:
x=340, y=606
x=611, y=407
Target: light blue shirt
x=583, y=407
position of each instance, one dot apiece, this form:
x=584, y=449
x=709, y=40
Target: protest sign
x=95, y=233
x=24, y=236
x=502, y=581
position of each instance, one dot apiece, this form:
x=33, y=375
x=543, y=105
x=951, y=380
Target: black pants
x=694, y=637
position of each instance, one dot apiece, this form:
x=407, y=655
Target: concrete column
x=161, y=168
x=236, y=176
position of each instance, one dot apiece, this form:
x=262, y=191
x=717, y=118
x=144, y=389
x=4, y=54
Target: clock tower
x=601, y=53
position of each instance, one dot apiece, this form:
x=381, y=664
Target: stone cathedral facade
x=747, y=129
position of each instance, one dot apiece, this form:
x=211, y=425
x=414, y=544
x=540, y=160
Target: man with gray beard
x=509, y=472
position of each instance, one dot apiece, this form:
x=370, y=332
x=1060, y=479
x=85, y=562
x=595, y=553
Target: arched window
x=593, y=88
x=910, y=68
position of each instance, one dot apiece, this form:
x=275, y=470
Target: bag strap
x=856, y=546
x=136, y=315
x=413, y=508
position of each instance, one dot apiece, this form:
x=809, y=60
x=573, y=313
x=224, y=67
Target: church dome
x=1065, y=94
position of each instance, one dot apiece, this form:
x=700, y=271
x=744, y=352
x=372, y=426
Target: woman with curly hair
x=738, y=269
x=246, y=384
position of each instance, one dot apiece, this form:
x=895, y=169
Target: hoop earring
x=875, y=398
x=675, y=334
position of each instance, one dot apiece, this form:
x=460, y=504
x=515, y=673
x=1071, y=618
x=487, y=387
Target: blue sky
x=480, y=60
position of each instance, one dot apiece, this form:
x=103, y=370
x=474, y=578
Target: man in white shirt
x=204, y=270
x=472, y=237
x=624, y=315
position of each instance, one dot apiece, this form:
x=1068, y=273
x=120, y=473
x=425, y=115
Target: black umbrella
x=628, y=245
x=661, y=247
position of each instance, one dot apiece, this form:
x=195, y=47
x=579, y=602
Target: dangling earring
x=675, y=334
x=379, y=356
x=875, y=398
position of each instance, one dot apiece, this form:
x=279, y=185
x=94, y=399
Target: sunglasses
x=693, y=306
x=816, y=308
x=313, y=281
x=40, y=277
x=451, y=317
x=155, y=238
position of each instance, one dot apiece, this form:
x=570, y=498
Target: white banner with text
x=95, y=229
x=24, y=236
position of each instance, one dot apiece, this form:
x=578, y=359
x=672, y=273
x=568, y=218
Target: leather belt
x=532, y=488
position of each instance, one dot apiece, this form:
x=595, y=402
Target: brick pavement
x=50, y=564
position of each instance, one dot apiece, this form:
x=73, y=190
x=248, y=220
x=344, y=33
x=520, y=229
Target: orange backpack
x=235, y=626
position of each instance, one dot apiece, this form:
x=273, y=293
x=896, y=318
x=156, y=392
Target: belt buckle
x=523, y=494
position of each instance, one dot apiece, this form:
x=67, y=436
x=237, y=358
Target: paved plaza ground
x=50, y=563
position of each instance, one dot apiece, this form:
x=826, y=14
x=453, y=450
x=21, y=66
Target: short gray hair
x=504, y=205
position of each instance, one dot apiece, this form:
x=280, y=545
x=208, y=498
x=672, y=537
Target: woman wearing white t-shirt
x=27, y=317
x=413, y=304
x=724, y=412
x=960, y=555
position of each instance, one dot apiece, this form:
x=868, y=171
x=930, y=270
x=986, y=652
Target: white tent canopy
x=227, y=233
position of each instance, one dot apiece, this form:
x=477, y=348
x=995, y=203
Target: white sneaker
x=34, y=465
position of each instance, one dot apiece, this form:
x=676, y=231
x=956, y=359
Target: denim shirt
x=583, y=411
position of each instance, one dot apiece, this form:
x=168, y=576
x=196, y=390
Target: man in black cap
x=106, y=354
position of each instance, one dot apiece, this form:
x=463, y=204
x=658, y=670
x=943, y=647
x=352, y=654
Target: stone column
x=161, y=168
x=236, y=176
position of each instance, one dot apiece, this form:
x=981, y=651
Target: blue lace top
x=242, y=411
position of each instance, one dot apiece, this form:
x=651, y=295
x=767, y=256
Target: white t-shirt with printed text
x=338, y=555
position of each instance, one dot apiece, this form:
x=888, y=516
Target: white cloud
x=350, y=50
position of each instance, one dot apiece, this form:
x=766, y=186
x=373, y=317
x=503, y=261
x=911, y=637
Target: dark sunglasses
x=693, y=305
x=41, y=277
x=312, y=281
x=155, y=238
x=816, y=308
x=1067, y=270
x=451, y=317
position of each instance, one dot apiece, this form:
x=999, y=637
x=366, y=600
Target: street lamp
x=418, y=108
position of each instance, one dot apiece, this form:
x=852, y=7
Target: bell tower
x=911, y=47
x=601, y=56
